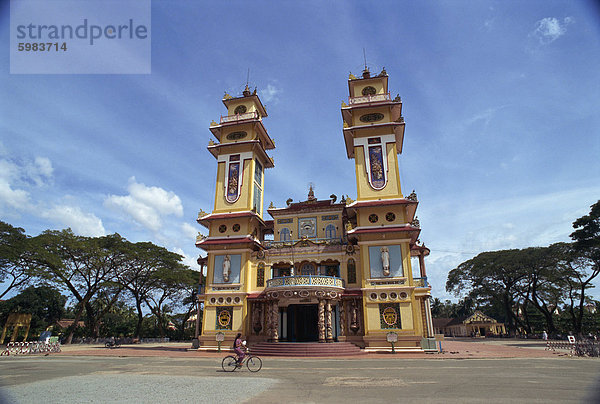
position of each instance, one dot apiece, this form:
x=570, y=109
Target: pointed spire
x=247, y=92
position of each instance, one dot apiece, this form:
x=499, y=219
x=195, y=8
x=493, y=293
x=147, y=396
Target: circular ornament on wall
x=373, y=296
x=228, y=300
x=240, y=109
x=236, y=227
x=374, y=117
x=369, y=90
x=383, y=296
x=220, y=300
x=373, y=218
x=236, y=299
x=403, y=295
x=222, y=228
x=393, y=295
x=303, y=293
x=237, y=135
x=390, y=216
x=213, y=300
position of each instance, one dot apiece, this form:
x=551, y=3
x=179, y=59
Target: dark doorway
x=302, y=323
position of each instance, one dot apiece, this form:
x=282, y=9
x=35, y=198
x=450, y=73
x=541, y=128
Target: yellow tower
x=382, y=220
x=235, y=226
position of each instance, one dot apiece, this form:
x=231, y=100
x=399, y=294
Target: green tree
x=584, y=263
x=82, y=265
x=152, y=277
x=16, y=264
x=45, y=304
x=171, y=287
x=488, y=277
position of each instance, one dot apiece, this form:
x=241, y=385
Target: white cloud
x=85, y=224
x=549, y=29
x=14, y=198
x=270, y=93
x=146, y=205
x=15, y=177
x=189, y=231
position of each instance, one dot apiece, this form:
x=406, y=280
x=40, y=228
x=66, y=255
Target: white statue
x=385, y=261
x=226, y=268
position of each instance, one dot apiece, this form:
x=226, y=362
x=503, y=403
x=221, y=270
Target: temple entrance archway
x=302, y=323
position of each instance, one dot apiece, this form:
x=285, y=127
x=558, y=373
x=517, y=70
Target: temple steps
x=305, y=349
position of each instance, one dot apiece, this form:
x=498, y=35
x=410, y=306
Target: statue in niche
x=354, y=326
x=226, y=268
x=257, y=318
x=385, y=261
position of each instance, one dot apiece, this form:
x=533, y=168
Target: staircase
x=305, y=349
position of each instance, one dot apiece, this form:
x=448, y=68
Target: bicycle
x=253, y=363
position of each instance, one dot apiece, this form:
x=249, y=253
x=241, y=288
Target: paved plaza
x=505, y=371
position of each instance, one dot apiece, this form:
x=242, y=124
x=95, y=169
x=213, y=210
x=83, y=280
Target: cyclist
x=238, y=347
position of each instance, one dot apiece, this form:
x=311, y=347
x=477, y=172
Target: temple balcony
x=239, y=117
x=305, y=282
x=369, y=98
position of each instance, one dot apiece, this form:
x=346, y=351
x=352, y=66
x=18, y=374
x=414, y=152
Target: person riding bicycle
x=238, y=347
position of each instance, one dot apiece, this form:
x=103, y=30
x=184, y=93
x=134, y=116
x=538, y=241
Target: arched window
x=308, y=269
x=330, y=231
x=351, y=271
x=284, y=234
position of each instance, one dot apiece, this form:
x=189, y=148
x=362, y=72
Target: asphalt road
x=79, y=379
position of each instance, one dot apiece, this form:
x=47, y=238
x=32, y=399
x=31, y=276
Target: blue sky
x=500, y=102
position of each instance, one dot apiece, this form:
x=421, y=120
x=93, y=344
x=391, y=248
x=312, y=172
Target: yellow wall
x=357, y=114
x=321, y=224
x=248, y=103
x=359, y=87
x=251, y=134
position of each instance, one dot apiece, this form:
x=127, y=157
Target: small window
x=284, y=234
x=373, y=218
x=240, y=109
x=222, y=228
x=330, y=231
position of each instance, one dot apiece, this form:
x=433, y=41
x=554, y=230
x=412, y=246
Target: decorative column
x=275, y=321
x=422, y=266
x=342, y=306
x=321, y=324
x=329, y=327
x=429, y=318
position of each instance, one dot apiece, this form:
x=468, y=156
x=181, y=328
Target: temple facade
x=324, y=270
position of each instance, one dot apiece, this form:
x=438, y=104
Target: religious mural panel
x=376, y=163
x=385, y=261
x=227, y=268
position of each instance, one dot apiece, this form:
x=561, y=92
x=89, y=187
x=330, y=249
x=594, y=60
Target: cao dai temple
x=320, y=270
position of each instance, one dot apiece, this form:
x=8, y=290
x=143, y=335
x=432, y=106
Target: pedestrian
x=545, y=335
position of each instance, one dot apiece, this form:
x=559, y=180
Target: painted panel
x=233, y=267
x=377, y=258
x=307, y=227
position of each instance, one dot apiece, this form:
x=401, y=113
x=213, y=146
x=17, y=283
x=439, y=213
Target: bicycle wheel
x=254, y=363
x=229, y=363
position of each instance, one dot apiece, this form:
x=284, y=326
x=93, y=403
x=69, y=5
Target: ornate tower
x=382, y=220
x=235, y=226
